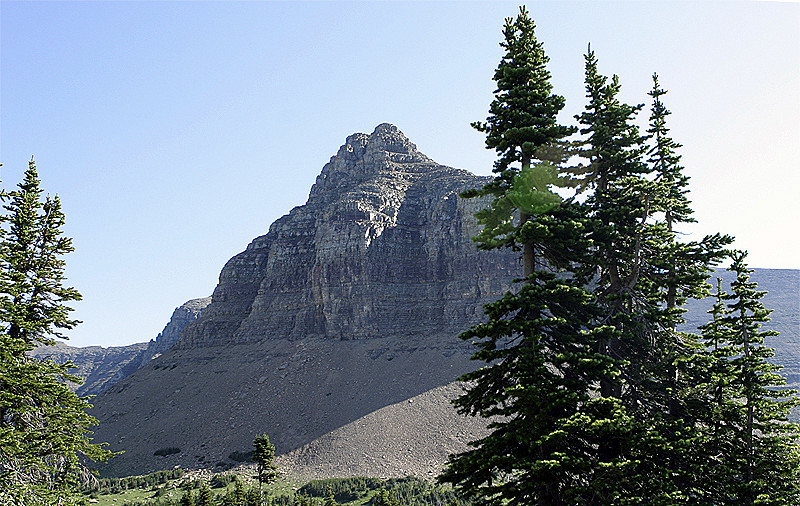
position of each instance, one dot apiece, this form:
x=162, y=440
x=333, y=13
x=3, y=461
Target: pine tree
x=205, y=497
x=522, y=126
x=384, y=498
x=544, y=362
x=187, y=499
x=330, y=500
x=642, y=275
x=44, y=440
x=751, y=449
x=264, y=457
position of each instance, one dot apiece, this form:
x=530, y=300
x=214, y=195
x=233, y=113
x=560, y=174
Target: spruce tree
x=330, y=500
x=187, y=499
x=44, y=443
x=641, y=276
x=521, y=127
x=205, y=497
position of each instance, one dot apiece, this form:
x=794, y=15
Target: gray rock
x=99, y=367
x=382, y=248
x=102, y=367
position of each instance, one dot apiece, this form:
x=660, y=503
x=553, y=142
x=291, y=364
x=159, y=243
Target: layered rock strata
x=382, y=248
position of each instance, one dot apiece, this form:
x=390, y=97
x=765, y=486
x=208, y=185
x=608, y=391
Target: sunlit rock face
x=382, y=248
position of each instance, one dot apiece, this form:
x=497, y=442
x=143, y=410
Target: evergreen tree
x=330, y=500
x=522, y=126
x=264, y=456
x=750, y=449
x=642, y=275
x=584, y=381
x=44, y=440
x=384, y=498
x=205, y=497
x=187, y=499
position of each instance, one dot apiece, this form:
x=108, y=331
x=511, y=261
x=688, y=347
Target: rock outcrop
x=99, y=367
x=382, y=248
x=183, y=315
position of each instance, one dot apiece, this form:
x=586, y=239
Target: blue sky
x=176, y=132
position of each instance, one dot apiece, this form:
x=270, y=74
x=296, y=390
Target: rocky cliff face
x=382, y=248
x=99, y=367
x=183, y=315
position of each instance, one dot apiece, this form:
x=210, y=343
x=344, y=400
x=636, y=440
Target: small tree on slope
x=264, y=456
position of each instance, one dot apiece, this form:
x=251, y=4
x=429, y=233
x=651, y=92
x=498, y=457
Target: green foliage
x=343, y=489
x=751, y=449
x=384, y=498
x=530, y=191
x=264, y=456
x=44, y=443
x=114, y=485
x=522, y=116
x=592, y=395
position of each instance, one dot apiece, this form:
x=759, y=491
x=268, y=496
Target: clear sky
x=176, y=132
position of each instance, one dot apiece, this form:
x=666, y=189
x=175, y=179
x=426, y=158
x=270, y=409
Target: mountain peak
x=388, y=138
x=384, y=152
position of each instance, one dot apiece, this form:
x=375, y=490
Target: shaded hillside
x=99, y=367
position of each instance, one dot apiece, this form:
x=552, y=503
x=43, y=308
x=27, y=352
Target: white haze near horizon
x=176, y=132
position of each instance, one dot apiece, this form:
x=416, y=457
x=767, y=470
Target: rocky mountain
x=101, y=367
x=334, y=333
x=349, y=304
x=382, y=248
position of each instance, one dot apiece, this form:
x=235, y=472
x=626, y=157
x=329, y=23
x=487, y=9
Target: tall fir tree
x=521, y=127
x=44, y=436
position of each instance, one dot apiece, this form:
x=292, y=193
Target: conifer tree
x=187, y=499
x=330, y=500
x=44, y=439
x=642, y=275
x=205, y=497
x=582, y=371
x=264, y=457
x=384, y=498
x=751, y=450
x=521, y=127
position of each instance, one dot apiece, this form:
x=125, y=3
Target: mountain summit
x=381, y=249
